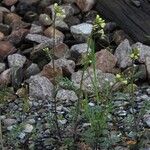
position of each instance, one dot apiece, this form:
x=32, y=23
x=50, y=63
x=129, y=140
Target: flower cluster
x=59, y=12
x=121, y=78
x=99, y=25
x=135, y=54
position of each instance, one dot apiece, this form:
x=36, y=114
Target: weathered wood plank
x=135, y=21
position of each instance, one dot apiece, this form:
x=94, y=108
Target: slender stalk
x=80, y=95
x=53, y=64
x=133, y=98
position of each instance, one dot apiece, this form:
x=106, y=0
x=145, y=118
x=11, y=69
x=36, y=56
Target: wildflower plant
x=59, y=12
x=99, y=25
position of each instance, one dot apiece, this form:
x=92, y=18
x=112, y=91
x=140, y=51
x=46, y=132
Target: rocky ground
x=27, y=80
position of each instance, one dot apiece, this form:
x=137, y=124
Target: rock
x=90, y=16
x=62, y=122
x=6, y=48
x=110, y=27
x=67, y=66
x=5, y=77
x=2, y=67
x=45, y=20
x=11, y=17
x=40, y=88
x=72, y=20
x=8, y=122
x=17, y=76
x=119, y=36
x=82, y=31
x=22, y=135
x=5, y=29
x=66, y=96
x=59, y=36
x=39, y=38
x=10, y=2
x=36, y=29
x=28, y=128
x=33, y=69
x=16, y=60
x=144, y=51
x=147, y=120
x=61, y=25
x=1, y=36
x=140, y=71
x=51, y=73
x=69, y=9
x=1, y=17
x=39, y=56
x=85, y=5
x=122, y=54
x=147, y=63
x=61, y=51
x=3, y=9
x=103, y=79
x=79, y=51
x=68, y=1
x=17, y=36
x=105, y=61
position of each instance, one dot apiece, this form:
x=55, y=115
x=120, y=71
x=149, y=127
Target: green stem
x=55, y=91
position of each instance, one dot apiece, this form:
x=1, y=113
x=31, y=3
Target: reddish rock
x=85, y=5
x=10, y=2
x=49, y=32
x=61, y=50
x=105, y=61
x=1, y=36
x=17, y=36
x=5, y=77
x=11, y=17
x=51, y=73
x=6, y=48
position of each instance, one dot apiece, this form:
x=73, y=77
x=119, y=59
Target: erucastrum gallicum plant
x=58, y=12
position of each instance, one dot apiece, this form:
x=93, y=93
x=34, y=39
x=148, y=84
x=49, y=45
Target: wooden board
x=135, y=21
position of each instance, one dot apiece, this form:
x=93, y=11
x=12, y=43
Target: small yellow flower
x=125, y=82
x=118, y=76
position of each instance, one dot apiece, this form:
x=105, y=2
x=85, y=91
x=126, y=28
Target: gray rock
x=103, y=80
x=147, y=63
x=33, y=69
x=66, y=96
x=4, y=28
x=16, y=76
x=45, y=19
x=2, y=67
x=81, y=32
x=144, y=51
x=8, y=122
x=16, y=60
x=78, y=51
x=147, y=119
x=67, y=66
x=3, y=9
x=122, y=53
x=22, y=135
x=39, y=38
x=40, y=88
x=61, y=25
x=35, y=29
x=62, y=122
x=28, y=128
